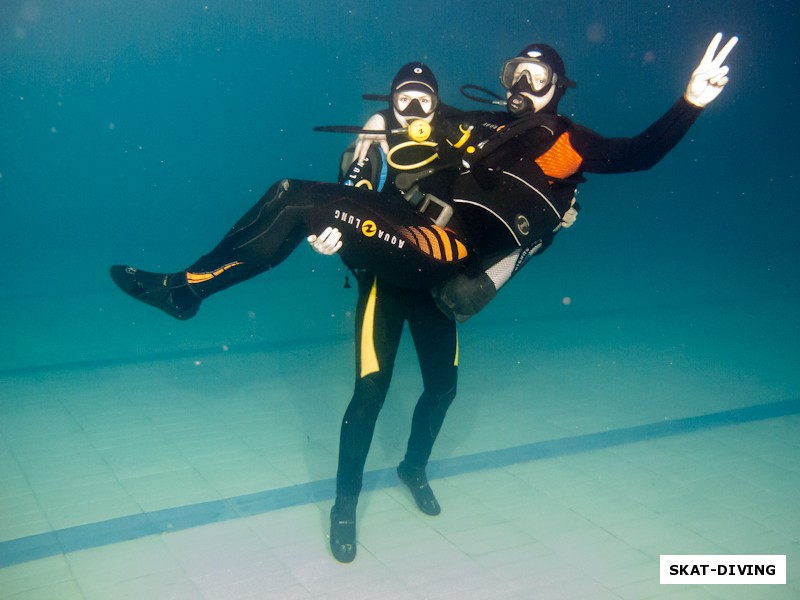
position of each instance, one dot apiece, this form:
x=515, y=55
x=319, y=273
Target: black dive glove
x=449, y=156
x=461, y=297
x=452, y=147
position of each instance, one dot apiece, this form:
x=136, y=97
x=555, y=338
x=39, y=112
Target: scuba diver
x=503, y=177
x=521, y=167
x=519, y=177
x=508, y=181
x=383, y=308
x=528, y=148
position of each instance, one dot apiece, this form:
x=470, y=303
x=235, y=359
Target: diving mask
x=535, y=77
x=414, y=103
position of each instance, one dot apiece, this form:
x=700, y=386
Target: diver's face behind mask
x=530, y=86
x=410, y=105
x=536, y=75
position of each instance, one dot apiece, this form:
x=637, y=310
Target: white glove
x=569, y=218
x=365, y=140
x=326, y=243
x=711, y=75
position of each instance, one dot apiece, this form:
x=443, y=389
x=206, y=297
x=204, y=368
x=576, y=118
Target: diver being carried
x=506, y=205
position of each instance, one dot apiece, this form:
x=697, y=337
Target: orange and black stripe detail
x=441, y=244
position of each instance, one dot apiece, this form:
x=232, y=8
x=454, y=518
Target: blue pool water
x=652, y=351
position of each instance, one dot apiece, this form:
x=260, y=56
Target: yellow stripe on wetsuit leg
x=369, y=358
x=455, y=360
x=202, y=277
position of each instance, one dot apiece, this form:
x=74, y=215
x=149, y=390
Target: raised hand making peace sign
x=711, y=75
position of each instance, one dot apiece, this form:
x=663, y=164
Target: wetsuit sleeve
x=639, y=153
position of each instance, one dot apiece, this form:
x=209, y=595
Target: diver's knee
x=369, y=395
x=447, y=398
x=439, y=399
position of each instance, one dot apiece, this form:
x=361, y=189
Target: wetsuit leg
x=379, y=326
x=436, y=341
x=380, y=233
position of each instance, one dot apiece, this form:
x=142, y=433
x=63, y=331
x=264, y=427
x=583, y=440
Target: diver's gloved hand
x=448, y=154
x=326, y=243
x=569, y=218
x=454, y=136
x=365, y=140
x=711, y=75
x=462, y=297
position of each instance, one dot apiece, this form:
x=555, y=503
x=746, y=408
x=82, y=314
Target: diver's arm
x=639, y=153
x=376, y=122
x=619, y=155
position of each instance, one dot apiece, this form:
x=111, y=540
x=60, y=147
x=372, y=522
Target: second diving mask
x=411, y=104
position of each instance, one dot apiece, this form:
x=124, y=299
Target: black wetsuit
x=383, y=234
x=515, y=195
x=512, y=199
x=382, y=311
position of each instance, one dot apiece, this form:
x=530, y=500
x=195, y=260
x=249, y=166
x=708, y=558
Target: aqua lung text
x=368, y=228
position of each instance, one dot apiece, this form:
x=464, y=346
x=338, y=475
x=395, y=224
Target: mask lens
x=538, y=75
x=414, y=105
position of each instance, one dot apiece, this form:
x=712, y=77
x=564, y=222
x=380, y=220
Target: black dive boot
x=417, y=482
x=167, y=291
x=343, y=528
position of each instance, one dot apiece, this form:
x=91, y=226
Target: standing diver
x=383, y=309
x=535, y=80
x=524, y=184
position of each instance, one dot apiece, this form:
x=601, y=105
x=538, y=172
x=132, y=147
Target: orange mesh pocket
x=561, y=160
